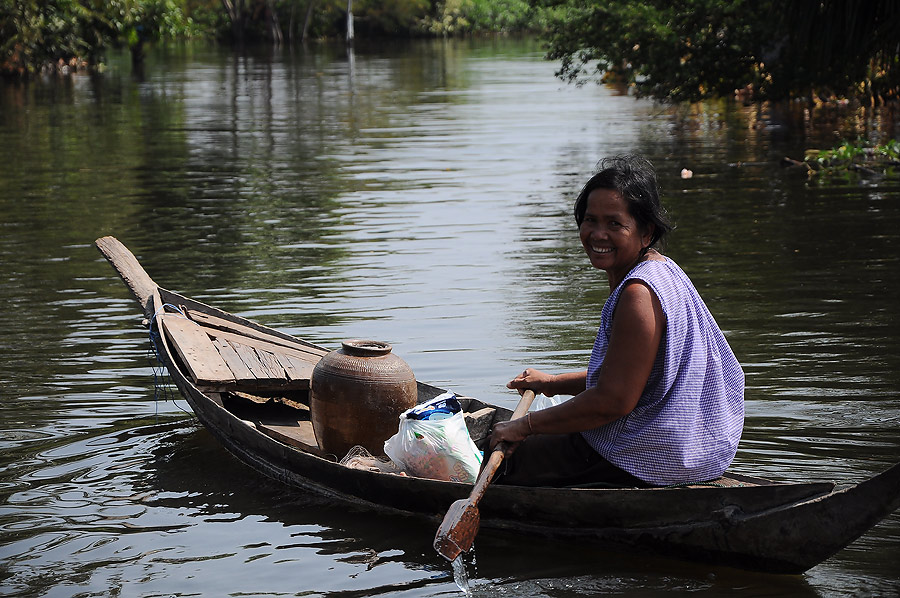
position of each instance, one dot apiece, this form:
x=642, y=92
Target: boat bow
x=779, y=540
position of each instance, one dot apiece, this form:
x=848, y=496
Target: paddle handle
x=524, y=404
x=493, y=463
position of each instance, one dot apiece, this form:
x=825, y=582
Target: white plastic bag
x=438, y=449
x=542, y=402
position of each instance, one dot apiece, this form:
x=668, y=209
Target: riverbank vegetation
x=669, y=50
x=70, y=35
x=691, y=50
x=65, y=35
x=860, y=157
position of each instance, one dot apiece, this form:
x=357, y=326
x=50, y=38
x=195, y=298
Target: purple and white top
x=688, y=421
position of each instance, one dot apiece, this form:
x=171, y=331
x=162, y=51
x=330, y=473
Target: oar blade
x=458, y=529
x=460, y=525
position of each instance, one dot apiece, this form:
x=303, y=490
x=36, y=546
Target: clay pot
x=357, y=395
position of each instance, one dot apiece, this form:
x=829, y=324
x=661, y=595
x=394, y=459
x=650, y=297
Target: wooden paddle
x=460, y=525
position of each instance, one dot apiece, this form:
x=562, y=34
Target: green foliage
x=499, y=15
x=469, y=16
x=153, y=20
x=448, y=19
x=689, y=50
x=678, y=50
x=861, y=156
x=890, y=150
x=206, y=17
x=36, y=35
x=391, y=16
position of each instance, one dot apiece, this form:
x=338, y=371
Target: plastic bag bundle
x=433, y=442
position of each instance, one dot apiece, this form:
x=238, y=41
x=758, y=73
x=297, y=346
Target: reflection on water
x=421, y=194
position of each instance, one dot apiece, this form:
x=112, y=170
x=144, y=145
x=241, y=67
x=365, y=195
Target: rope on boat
x=162, y=384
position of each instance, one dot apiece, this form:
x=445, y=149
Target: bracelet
x=528, y=421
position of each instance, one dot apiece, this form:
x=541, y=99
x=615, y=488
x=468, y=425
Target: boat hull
x=708, y=524
x=748, y=523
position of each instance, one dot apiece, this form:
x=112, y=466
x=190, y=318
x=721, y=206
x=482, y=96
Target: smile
x=601, y=249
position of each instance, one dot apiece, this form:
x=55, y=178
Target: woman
x=662, y=400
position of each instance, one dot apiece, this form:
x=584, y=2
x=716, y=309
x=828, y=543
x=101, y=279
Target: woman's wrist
x=551, y=386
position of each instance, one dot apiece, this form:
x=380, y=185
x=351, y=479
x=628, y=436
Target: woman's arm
x=549, y=385
x=637, y=329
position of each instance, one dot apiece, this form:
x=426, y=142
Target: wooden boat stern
x=130, y=270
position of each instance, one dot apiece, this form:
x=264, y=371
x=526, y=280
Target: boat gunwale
x=774, y=538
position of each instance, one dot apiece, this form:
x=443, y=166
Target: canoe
x=249, y=385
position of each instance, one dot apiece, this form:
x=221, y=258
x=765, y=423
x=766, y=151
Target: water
x=460, y=576
x=418, y=194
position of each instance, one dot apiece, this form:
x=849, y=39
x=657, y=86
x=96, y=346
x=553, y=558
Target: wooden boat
x=249, y=386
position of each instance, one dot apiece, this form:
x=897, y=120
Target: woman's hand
x=510, y=432
x=538, y=381
x=549, y=385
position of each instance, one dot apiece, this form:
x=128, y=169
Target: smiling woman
x=662, y=399
x=620, y=206
x=611, y=236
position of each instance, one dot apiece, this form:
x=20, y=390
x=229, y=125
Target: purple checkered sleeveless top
x=688, y=421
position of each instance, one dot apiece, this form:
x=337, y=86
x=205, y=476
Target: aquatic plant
x=861, y=156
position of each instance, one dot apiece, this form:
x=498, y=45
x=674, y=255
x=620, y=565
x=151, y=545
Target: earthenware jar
x=357, y=395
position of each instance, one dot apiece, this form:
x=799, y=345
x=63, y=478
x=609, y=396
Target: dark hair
x=634, y=178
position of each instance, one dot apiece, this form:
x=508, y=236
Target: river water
x=417, y=193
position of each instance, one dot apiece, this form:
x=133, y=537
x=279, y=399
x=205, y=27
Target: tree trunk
x=235, y=11
x=274, y=26
x=291, y=24
x=306, y=20
x=350, y=21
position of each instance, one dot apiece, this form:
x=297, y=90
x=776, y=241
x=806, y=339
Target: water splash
x=460, y=577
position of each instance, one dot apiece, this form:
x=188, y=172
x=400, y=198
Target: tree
x=70, y=34
x=236, y=15
x=35, y=34
x=256, y=20
x=464, y=16
x=688, y=50
x=844, y=47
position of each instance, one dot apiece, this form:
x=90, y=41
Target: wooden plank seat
x=297, y=433
x=480, y=423
x=213, y=323
x=218, y=359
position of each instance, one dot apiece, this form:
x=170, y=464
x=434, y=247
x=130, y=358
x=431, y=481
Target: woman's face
x=610, y=235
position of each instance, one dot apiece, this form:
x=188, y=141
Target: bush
x=690, y=50
x=468, y=16
x=38, y=35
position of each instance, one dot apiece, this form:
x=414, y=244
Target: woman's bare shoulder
x=637, y=292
